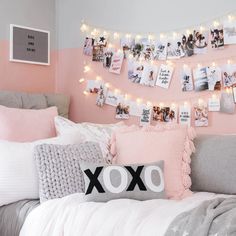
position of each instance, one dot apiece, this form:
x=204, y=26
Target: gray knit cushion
x=59, y=168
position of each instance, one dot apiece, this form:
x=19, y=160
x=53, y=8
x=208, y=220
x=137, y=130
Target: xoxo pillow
x=170, y=143
x=107, y=182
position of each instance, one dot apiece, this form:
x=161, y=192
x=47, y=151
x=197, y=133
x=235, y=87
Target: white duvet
x=72, y=216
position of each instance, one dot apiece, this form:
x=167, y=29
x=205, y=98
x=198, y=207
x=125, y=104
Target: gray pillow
x=213, y=164
x=107, y=182
x=59, y=168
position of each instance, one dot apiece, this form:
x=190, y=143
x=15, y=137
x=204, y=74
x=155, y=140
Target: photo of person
x=135, y=70
x=187, y=43
x=214, y=78
x=88, y=46
x=229, y=75
x=200, y=42
x=122, y=111
x=102, y=93
x=160, y=50
x=107, y=58
x=101, y=41
x=217, y=37
x=127, y=44
x=201, y=115
x=93, y=86
x=174, y=49
x=186, y=79
x=164, y=114
x=136, y=50
x=148, y=49
x=98, y=53
x=229, y=28
x=200, y=79
x=149, y=75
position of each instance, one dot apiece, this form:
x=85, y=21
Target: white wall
x=133, y=15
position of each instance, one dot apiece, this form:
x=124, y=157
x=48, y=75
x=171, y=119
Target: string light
x=86, y=93
x=86, y=69
x=213, y=64
x=116, y=35
x=138, y=100
x=81, y=80
x=216, y=23
x=84, y=28
x=98, y=78
x=107, y=85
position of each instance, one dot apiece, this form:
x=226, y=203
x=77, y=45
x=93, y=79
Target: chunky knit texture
x=59, y=168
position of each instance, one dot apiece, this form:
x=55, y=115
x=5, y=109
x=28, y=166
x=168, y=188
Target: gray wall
x=32, y=13
x=133, y=15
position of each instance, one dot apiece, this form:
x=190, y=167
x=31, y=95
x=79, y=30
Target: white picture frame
x=24, y=50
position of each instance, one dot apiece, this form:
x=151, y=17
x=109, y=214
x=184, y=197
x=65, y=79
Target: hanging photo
x=201, y=115
x=164, y=114
x=186, y=79
x=101, y=97
x=135, y=70
x=185, y=115
x=107, y=58
x=229, y=75
x=148, y=49
x=174, y=49
x=136, y=50
x=230, y=32
x=145, y=118
x=101, y=41
x=227, y=104
x=160, y=50
x=122, y=110
x=164, y=76
x=214, y=78
x=149, y=75
x=187, y=42
x=200, y=79
x=98, y=53
x=126, y=44
x=134, y=108
x=234, y=93
x=214, y=104
x=116, y=63
x=112, y=98
x=93, y=86
x=200, y=41
x=217, y=37
x=88, y=46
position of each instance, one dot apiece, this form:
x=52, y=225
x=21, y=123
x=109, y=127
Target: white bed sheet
x=72, y=216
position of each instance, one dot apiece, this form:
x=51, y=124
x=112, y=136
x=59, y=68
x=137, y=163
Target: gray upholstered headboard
x=35, y=101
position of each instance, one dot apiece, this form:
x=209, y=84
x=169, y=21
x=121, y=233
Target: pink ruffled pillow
x=26, y=125
x=171, y=143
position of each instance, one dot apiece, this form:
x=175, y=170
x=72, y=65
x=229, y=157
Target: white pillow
x=100, y=133
x=18, y=173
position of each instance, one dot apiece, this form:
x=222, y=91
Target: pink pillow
x=25, y=125
x=171, y=143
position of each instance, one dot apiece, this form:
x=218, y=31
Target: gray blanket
x=212, y=218
x=12, y=216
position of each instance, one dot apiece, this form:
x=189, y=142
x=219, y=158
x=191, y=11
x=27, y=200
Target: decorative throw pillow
x=171, y=143
x=59, y=168
x=27, y=125
x=140, y=182
x=100, y=133
x=18, y=173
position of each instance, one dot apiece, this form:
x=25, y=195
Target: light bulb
x=85, y=93
x=83, y=28
x=116, y=35
x=81, y=80
x=98, y=78
x=86, y=69
x=107, y=85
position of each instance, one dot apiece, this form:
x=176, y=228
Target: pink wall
x=25, y=77
x=70, y=70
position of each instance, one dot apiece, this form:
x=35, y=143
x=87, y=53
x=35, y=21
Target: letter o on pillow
x=107, y=179
x=148, y=178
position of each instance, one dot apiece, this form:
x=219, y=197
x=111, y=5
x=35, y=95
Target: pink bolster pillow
x=171, y=143
x=26, y=125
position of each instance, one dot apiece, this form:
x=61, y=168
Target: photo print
x=101, y=97
x=214, y=78
x=200, y=41
x=186, y=79
x=217, y=37
x=164, y=114
x=136, y=50
x=200, y=79
x=88, y=46
x=127, y=44
x=227, y=104
x=98, y=53
x=116, y=63
x=107, y=57
x=185, y=115
x=122, y=110
x=134, y=108
x=145, y=118
x=135, y=70
x=230, y=32
x=214, y=104
x=229, y=75
x=101, y=41
x=174, y=49
x=201, y=115
x=187, y=42
x=148, y=49
x=93, y=86
x=113, y=98
x=234, y=93
x=160, y=50
x=164, y=76
x=149, y=75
